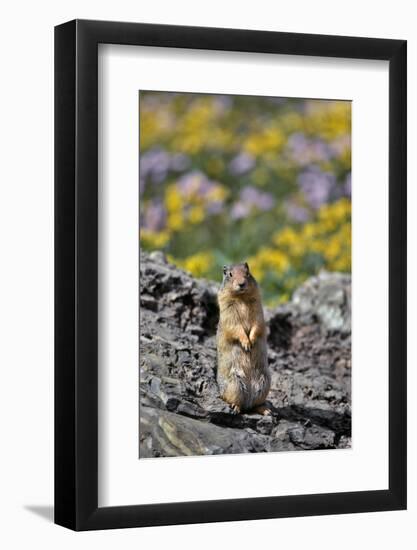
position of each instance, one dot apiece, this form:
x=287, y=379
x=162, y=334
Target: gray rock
x=309, y=356
x=328, y=298
x=167, y=434
x=345, y=442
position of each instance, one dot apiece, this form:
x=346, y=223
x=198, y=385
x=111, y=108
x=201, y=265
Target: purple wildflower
x=215, y=207
x=348, y=185
x=296, y=213
x=239, y=210
x=297, y=146
x=198, y=184
x=194, y=183
x=154, y=216
x=223, y=102
x=241, y=163
x=250, y=198
x=154, y=165
x=320, y=151
x=340, y=144
x=316, y=185
x=258, y=199
x=305, y=151
x=179, y=162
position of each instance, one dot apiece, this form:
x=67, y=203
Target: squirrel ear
x=246, y=265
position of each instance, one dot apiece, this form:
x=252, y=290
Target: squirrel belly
x=243, y=377
x=242, y=363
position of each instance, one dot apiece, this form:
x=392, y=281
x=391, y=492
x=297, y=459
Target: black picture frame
x=76, y=272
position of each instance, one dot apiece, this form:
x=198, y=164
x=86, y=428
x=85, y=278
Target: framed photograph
x=230, y=284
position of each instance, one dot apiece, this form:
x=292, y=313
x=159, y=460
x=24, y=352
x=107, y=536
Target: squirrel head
x=238, y=280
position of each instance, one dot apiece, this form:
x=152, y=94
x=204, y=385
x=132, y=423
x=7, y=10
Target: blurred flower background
x=227, y=179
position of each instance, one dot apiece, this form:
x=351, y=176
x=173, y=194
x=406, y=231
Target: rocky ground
x=309, y=356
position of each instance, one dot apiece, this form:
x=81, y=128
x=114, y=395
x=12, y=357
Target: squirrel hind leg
x=235, y=409
x=234, y=395
x=233, y=404
x=263, y=409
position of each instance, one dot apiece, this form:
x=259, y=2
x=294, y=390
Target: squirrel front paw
x=246, y=343
x=253, y=335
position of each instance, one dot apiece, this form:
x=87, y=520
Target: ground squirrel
x=242, y=363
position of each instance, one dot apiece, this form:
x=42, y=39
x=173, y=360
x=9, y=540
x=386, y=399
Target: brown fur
x=242, y=363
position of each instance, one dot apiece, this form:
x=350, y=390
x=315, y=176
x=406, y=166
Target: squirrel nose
x=242, y=285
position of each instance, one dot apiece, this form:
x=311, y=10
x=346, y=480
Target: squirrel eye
x=230, y=274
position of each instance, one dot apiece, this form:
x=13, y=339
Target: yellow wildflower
x=332, y=248
x=217, y=193
x=328, y=119
x=173, y=200
x=290, y=240
x=287, y=237
x=196, y=214
x=270, y=139
x=197, y=264
x=154, y=239
x=268, y=259
x=175, y=221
